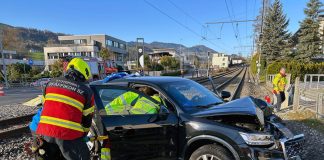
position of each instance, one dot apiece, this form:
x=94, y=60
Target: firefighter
x=279, y=83
x=132, y=103
x=67, y=113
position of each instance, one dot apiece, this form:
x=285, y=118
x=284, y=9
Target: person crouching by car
x=279, y=84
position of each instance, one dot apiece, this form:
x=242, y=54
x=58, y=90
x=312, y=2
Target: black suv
x=193, y=123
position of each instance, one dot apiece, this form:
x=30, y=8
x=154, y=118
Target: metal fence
x=309, y=95
x=314, y=81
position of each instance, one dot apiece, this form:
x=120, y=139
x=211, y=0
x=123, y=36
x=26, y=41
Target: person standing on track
x=279, y=84
x=67, y=113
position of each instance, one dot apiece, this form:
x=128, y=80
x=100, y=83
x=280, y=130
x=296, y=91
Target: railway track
x=233, y=83
x=14, y=126
x=202, y=80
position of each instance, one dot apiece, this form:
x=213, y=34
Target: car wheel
x=211, y=152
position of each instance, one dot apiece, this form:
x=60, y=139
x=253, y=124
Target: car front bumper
x=285, y=149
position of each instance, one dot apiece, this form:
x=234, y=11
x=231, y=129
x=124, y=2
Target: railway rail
x=14, y=126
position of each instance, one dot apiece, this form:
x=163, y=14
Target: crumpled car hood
x=243, y=106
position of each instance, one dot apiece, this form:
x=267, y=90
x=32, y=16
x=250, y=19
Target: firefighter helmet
x=81, y=66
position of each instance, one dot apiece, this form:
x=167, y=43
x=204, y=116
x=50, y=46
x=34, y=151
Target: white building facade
x=220, y=60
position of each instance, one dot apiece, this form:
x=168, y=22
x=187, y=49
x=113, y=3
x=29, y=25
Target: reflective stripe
x=109, y=108
x=105, y=154
x=64, y=99
x=61, y=123
x=127, y=106
x=138, y=111
x=88, y=111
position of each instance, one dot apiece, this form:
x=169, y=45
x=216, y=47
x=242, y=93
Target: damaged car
x=192, y=123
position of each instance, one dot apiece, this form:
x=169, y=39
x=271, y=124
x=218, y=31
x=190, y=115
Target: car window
x=114, y=101
x=190, y=95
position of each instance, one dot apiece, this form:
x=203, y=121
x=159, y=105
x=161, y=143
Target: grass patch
x=306, y=117
x=35, y=56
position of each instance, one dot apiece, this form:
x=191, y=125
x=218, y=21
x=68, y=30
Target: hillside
x=199, y=49
x=28, y=38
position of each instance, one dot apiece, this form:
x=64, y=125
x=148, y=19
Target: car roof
x=150, y=79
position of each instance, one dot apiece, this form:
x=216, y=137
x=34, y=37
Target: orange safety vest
x=63, y=111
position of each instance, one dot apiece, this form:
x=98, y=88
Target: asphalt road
x=19, y=95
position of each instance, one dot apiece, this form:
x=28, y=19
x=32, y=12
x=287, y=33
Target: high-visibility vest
x=279, y=82
x=131, y=103
x=62, y=113
x=105, y=154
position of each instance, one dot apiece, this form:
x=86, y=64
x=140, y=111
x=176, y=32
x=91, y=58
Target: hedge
x=296, y=69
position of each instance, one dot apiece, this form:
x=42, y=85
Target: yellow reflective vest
x=131, y=103
x=279, y=82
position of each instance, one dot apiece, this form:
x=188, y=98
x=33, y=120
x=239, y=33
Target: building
x=11, y=58
x=158, y=53
x=84, y=46
x=220, y=60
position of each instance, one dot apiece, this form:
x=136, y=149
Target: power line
x=196, y=21
x=179, y=23
x=232, y=21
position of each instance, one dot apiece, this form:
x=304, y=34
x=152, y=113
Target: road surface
x=19, y=95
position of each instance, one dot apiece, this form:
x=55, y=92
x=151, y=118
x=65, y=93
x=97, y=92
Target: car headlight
x=257, y=139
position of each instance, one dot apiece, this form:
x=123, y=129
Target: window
x=223, y=59
x=122, y=46
x=109, y=42
x=53, y=56
x=83, y=54
x=113, y=104
x=223, y=64
x=116, y=45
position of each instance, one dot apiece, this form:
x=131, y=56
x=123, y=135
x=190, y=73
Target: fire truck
x=99, y=68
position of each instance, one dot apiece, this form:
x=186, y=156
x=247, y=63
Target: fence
x=309, y=95
x=314, y=81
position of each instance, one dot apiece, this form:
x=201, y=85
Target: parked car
x=194, y=123
x=40, y=82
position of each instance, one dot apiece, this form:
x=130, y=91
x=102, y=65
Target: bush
x=296, y=69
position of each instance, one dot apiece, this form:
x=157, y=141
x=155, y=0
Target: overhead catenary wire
x=205, y=27
x=181, y=24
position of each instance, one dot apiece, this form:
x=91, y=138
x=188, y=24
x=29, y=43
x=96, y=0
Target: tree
x=275, y=38
x=170, y=62
x=105, y=53
x=11, y=40
x=57, y=69
x=15, y=71
x=309, y=41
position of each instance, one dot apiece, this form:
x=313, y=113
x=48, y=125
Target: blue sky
x=129, y=19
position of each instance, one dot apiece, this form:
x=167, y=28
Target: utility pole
x=3, y=61
x=260, y=41
x=208, y=63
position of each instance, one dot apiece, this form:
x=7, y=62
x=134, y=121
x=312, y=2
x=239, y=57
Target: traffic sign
x=30, y=62
x=140, y=50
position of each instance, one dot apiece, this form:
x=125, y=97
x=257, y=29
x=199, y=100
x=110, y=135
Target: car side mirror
x=225, y=94
x=161, y=115
x=163, y=112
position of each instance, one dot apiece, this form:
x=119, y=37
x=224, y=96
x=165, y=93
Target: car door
x=144, y=136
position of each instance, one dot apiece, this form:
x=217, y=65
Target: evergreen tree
x=275, y=38
x=309, y=41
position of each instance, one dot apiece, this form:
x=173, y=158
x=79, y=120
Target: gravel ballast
x=15, y=110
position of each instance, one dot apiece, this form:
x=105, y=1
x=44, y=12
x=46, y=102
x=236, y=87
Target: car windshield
x=191, y=96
